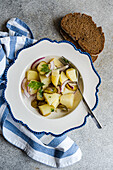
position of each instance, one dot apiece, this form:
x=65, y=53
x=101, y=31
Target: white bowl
x=20, y=108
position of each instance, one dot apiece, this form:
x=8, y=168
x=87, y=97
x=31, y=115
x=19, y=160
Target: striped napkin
x=53, y=151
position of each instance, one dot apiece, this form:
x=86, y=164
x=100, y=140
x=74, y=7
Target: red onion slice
x=26, y=93
x=72, y=87
x=63, y=85
x=28, y=89
x=24, y=88
x=52, y=65
x=35, y=63
x=71, y=84
x=23, y=83
x=48, y=74
x=63, y=68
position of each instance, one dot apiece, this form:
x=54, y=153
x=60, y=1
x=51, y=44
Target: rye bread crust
x=82, y=29
x=68, y=38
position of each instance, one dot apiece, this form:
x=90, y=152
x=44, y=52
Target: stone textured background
x=43, y=17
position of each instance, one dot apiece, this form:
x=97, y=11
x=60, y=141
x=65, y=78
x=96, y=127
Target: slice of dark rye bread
x=68, y=38
x=81, y=28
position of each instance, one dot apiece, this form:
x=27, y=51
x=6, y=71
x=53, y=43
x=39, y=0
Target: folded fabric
x=54, y=151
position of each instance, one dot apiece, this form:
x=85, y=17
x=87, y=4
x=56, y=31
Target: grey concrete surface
x=43, y=18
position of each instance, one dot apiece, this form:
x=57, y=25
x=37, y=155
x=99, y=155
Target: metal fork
x=64, y=61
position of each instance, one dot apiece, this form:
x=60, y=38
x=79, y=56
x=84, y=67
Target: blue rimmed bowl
x=20, y=108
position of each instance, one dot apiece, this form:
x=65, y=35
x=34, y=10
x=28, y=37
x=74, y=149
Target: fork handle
x=90, y=111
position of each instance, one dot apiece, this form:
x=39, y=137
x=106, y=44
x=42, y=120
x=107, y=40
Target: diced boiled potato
x=66, y=90
x=71, y=74
x=67, y=100
x=32, y=75
x=55, y=103
x=39, y=97
x=50, y=98
x=45, y=109
x=55, y=77
x=63, y=77
x=45, y=80
x=57, y=63
x=39, y=67
x=31, y=90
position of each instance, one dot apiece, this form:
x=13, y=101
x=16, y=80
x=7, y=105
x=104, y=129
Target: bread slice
x=82, y=29
x=68, y=38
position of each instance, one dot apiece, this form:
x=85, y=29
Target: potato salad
x=52, y=84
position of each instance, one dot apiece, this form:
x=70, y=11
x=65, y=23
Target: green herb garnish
x=35, y=85
x=49, y=96
x=41, y=93
x=52, y=110
x=45, y=68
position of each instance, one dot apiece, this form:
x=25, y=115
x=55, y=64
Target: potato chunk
x=71, y=73
x=55, y=77
x=45, y=80
x=57, y=63
x=45, y=109
x=50, y=98
x=66, y=90
x=63, y=77
x=32, y=75
x=67, y=100
x=55, y=103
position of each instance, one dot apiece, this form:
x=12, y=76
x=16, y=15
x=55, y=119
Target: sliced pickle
x=34, y=103
x=68, y=85
x=40, y=103
x=50, y=90
x=62, y=107
x=40, y=96
x=40, y=66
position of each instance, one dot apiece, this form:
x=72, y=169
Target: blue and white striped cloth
x=53, y=151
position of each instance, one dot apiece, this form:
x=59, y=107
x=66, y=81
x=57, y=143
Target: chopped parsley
x=45, y=68
x=41, y=93
x=49, y=96
x=52, y=110
x=35, y=85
